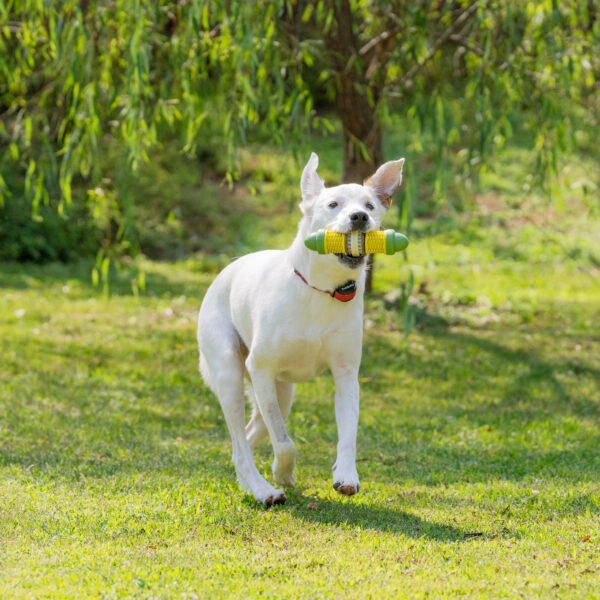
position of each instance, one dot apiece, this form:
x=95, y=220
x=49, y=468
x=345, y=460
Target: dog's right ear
x=310, y=183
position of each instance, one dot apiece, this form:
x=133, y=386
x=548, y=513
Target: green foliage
x=524, y=69
x=83, y=80
x=48, y=237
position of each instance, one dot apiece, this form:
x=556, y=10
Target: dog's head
x=348, y=207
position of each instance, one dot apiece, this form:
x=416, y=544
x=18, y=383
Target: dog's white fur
x=260, y=323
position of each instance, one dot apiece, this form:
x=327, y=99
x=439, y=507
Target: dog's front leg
x=347, y=392
x=284, y=449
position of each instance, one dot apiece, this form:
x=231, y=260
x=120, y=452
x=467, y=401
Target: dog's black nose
x=359, y=219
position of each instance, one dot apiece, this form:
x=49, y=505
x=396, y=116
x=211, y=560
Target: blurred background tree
x=88, y=89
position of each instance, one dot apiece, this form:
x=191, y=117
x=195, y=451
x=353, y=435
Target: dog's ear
x=386, y=181
x=310, y=184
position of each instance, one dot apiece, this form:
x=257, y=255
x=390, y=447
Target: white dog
x=277, y=317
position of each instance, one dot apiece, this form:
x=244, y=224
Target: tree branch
x=368, y=47
x=443, y=38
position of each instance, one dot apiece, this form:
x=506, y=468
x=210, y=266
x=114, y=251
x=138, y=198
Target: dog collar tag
x=345, y=292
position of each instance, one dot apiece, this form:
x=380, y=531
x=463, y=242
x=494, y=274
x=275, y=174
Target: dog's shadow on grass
x=348, y=514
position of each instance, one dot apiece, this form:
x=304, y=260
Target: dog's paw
x=287, y=481
x=345, y=481
x=275, y=499
x=283, y=467
x=269, y=496
x=346, y=489
x=262, y=490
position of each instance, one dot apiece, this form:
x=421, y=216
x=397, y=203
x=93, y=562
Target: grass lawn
x=479, y=441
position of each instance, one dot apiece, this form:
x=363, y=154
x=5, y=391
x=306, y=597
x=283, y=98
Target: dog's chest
x=300, y=355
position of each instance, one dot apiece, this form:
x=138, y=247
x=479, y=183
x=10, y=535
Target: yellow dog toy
x=356, y=243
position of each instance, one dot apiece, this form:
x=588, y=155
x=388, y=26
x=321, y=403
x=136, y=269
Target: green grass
x=479, y=440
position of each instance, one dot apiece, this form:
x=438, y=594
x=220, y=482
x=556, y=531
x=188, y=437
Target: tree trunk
x=360, y=123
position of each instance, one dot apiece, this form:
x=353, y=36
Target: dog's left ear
x=311, y=184
x=386, y=181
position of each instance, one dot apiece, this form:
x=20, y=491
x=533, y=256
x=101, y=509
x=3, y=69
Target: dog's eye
x=370, y=206
x=333, y=204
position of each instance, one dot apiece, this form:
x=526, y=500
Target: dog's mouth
x=351, y=261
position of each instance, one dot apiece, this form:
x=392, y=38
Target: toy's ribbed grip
x=335, y=243
x=356, y=243
x=375, y=242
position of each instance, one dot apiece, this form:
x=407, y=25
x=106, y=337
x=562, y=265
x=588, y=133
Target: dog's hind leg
x=222, y=363
x=256, y=430
x=285, y=460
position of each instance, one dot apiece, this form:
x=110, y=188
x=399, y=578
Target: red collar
x=344, y=293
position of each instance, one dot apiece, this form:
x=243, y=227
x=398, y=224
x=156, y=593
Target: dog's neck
x=323, y=271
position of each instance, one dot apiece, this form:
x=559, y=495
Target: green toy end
x=394, y=241
x=316, y=241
